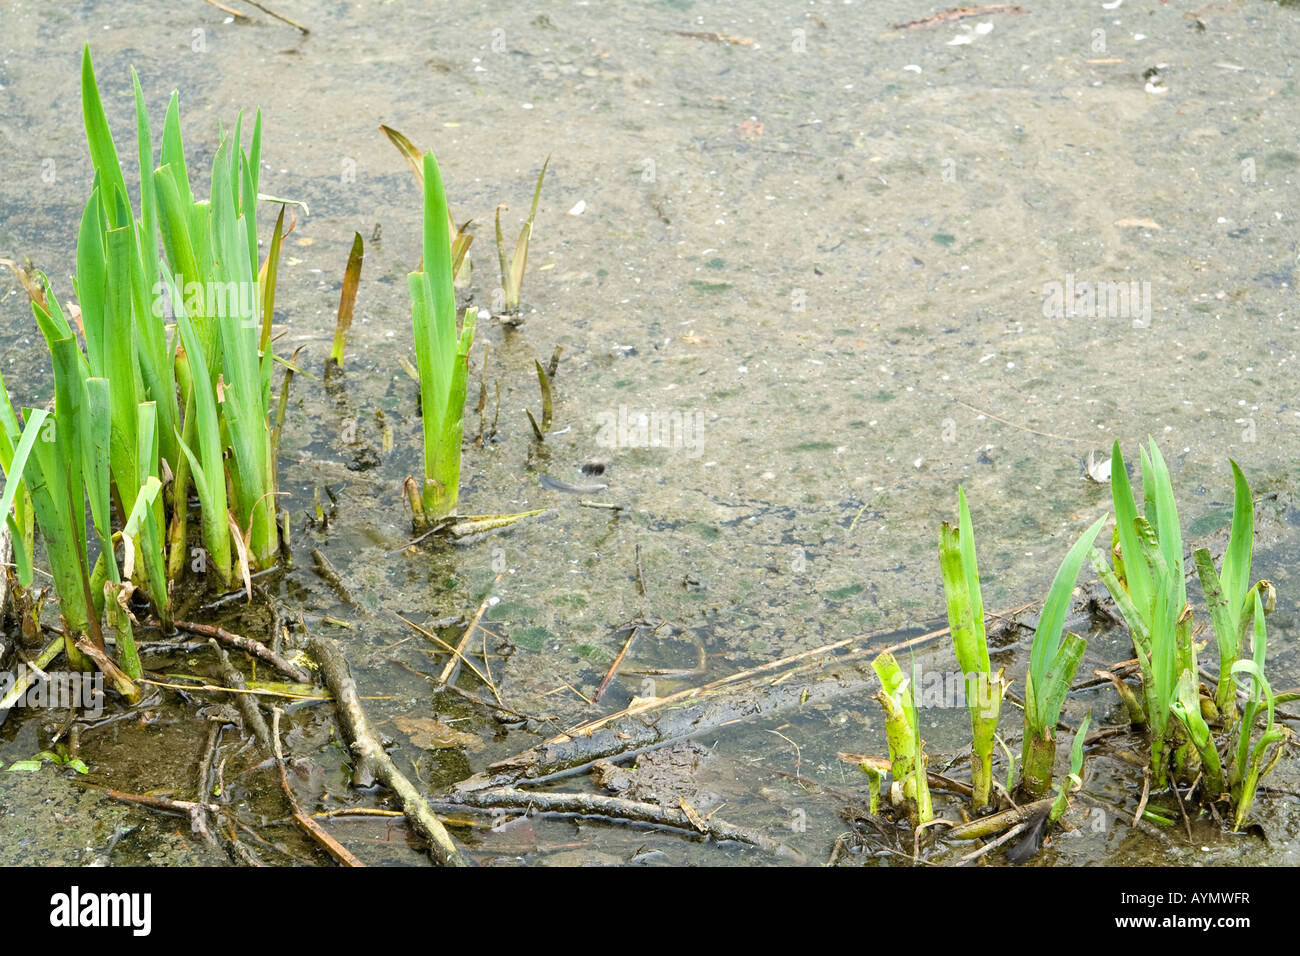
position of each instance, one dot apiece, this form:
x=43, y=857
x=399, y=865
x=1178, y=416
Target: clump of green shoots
x=907, y=759
x=1148, y=586
x=984, y=692
x=1052, y=666
x=442, y=359
x=130, y=405
x=1150, y=590
x=219, y=363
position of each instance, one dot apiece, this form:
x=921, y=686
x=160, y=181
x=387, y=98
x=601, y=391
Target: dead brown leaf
x=429, y=734
x=1138, y=224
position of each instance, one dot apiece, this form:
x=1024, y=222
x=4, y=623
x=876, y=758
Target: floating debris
x=959, y=13
x=555, y=484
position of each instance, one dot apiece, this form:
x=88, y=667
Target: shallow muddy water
x=817, y=251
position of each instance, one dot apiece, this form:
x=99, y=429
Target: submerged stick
x=332, y=846
x=297, y=26
x=245, y=703
x=997, y=822
x=753, y=694
x=326, y=570
x=627, y=646
x=370, y=754
x=158, y=803
x=449, y=672
x=617, y=809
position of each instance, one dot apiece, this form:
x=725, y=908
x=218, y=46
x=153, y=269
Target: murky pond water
x=817, y=251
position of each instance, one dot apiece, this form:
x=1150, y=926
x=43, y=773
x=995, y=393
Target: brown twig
x=618, y=661
x=326, y=570
x=959, y=13
x=758, y=671
x=640, y=579
x=980, y=411
x=332, y=846
x=297, y=26
x=1146, y=792
x=245, y=703
x=1011, y=834
x=156, y=802
x=1187, y=824
x=449, y=672
x=206, y=759
x=236, y=848
x=225, y=9
x=456, y=654
x=472, y=698
x=251, y=646
x=372, y=758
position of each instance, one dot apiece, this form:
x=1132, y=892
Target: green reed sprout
x=1053, y=662
x=512, y=271
x=21, y=523
x=1229, y=595
x=1255, y=757
x=1074, y=780
x=906, y=749
x=984, y=692
x=442, y=357
x=457, y=237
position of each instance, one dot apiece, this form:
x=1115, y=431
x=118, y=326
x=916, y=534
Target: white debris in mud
x=578, y=208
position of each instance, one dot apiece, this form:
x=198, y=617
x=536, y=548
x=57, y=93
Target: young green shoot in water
x=1052, y=665
x=442, y=357
x=906, y=749
x=347, y=301
x=984, y=692
x=512, y=272
x=1229, y=595
x=1255, y=757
